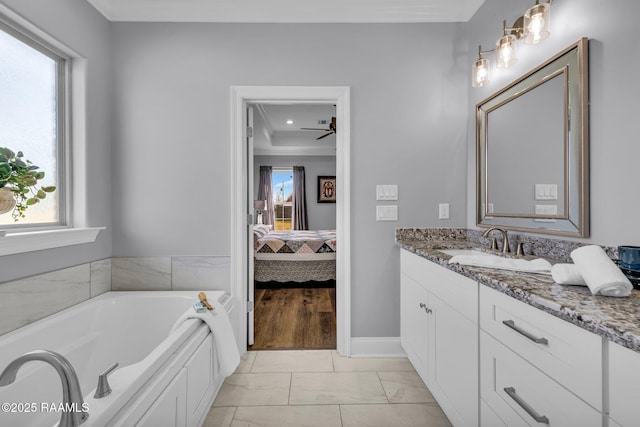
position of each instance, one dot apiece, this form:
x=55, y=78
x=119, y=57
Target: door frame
x=240, y=97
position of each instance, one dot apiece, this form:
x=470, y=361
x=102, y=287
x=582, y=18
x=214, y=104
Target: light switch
x=386, y=213
x=546, y=210
x=386, y=192
x=546, y=191
x=443, y=211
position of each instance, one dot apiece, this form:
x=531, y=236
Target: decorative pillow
x=260, y=230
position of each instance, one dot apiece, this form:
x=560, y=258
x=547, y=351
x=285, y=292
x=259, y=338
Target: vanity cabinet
x=536, y=368
x=439, y=332
x=624, y=386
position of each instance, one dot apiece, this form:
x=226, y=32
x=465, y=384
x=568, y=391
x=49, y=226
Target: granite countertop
x=616, y=319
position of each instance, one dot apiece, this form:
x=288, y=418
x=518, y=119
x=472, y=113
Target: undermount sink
x=454, y=252
x=478, y=258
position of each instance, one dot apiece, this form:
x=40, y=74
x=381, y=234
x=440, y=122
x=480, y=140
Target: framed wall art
x=326, y=189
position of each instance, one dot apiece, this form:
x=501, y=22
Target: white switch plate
x=386, y=192
x=546, y=210
x=546, y=192
x=443, y=210
x=386, y=213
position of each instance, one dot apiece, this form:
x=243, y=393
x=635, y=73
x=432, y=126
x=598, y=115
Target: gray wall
x=614, y=91
x=80, y=27
x=322, y=216
x=171, y=172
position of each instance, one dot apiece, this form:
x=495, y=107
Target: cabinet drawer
x=521, y=395
x=452, y=288
x=565, y=352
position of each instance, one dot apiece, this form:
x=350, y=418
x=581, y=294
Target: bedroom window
x=282, y=183
x=32, y=118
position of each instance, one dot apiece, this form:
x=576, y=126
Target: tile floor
x=320, y=388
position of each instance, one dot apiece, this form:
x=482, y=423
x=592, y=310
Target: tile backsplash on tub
x=141, y=274
x=200, y=273
x=24, y=301
x=178, y=273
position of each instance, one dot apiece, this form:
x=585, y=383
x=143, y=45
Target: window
x=282, y=182
x=32, y=118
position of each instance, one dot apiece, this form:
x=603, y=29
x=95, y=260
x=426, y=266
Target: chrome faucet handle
x=505, y=239
x=520, y=249
x=494, y=243
x=104, y=388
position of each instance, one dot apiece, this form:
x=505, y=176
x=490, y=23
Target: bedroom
x=293, y=258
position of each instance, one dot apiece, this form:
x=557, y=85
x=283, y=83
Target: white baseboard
x=376, y=347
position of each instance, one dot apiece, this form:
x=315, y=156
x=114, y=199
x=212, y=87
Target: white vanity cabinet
x=624, y=386
x=439, y=332
x=535, y=368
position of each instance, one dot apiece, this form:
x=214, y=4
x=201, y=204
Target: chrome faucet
x=74, y=413
x=505, y=238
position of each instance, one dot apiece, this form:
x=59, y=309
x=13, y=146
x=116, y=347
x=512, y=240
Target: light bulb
x=480, y=73
x=536, y=23
x=535, y=26
x=506, y=51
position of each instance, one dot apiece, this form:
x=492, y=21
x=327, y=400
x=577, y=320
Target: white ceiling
x=273, y=136
x=289, y=11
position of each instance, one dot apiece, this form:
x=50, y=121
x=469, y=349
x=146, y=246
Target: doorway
x=294, y=257
x=242, y=210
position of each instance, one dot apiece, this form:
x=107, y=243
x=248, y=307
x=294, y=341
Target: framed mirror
x=532, y=149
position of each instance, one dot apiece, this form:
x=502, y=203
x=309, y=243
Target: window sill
x=16, y=243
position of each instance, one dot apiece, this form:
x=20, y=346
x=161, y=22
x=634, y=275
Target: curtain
x=265, y=192
x=300, y=221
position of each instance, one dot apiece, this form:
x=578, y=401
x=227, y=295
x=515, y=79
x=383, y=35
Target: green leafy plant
x=21, y=176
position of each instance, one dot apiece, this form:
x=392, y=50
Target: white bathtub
x=133, y=329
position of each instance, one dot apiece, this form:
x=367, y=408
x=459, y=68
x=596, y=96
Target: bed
x=298, y=256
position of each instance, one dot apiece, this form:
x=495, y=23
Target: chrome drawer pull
x=524, y=405
x=512, y=325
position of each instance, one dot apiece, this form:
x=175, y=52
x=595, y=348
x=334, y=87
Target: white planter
x=7, y=201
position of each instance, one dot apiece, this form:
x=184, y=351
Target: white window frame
x=71, y=228
x=63, y=71
x=282, y=169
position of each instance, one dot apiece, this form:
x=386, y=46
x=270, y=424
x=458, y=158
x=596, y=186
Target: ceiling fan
x=332, y=129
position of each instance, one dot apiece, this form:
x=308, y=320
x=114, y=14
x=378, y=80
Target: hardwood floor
x=295, y=318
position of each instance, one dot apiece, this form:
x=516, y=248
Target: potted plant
x=19, y=183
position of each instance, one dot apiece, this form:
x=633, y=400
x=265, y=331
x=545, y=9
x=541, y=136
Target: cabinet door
x=169, y=408
x=414, y=324
x=624, y=385
x=453, y=363
x=200, y=381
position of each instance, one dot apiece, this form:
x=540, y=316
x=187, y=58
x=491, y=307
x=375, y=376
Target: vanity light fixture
x=506, y=46
x=532, y=28
x=536, y=22
x=289, y=122
x=481, y=71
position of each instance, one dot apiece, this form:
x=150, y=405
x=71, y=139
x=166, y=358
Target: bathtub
x=161, y=375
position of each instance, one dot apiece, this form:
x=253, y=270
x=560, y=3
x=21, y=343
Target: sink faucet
x=71, y=394
x=505, y=238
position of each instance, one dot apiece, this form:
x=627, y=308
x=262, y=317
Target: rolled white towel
x=601, y=274
x=567, y=274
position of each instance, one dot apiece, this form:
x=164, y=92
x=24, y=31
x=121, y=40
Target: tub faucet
x=71, y=394
x=505, y=238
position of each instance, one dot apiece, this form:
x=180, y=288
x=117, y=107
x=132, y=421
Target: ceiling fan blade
x=324, y=136
x=326, y=130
